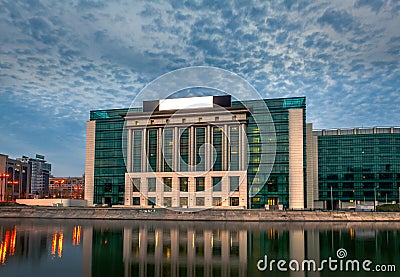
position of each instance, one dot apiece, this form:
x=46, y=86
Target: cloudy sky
x=61, y=59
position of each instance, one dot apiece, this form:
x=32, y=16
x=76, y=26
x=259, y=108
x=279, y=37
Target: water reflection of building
x=7, y=243
x=189, y=251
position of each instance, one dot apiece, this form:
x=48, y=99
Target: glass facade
x=109, y=165
x=275, y=187
x=359, y=167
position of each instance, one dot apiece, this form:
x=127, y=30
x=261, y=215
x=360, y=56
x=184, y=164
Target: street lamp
x=332, y=198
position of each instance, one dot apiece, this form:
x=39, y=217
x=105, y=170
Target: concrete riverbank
x=206, y=215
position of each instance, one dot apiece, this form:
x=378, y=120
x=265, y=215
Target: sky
x=61, y=59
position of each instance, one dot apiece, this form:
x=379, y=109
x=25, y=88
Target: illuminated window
x=167, y=184
x=183, y=184
x=200, y=183
x=217, y=201
x=136, y=201
x=234, y=201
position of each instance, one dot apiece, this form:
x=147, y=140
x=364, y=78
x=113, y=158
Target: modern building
x=210, y=152
x=40, y=174
x=15, y=178
x=67, y=187
x=356, y=166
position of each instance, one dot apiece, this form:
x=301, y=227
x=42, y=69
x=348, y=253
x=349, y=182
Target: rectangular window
x=167, y=184
x=137, y=151
x=217, y=183
x=135, y=184
x=234, y=201
x=167, y=201
x=151, y=184
x=151, y=201
x=200, y=151
x=183, y=202
x=217, y=144
x=199, y=201
x=136, y=201
x=152, y=142
x=234, y=148
x=107, y=187
x=217, y=201
x=168, y=150
x=183, y=184
x=233, y=183
x=200, y=183
x=184, y=149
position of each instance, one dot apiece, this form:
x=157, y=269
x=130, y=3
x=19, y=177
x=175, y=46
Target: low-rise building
x=67, y=187
x=15, y=178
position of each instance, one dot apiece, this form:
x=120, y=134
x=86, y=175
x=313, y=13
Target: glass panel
x=217, y=183
x=152, y=150
x=151, y=184
x=183, y=184
x=184, y=149
x=233, y=183
x=200, y=183
x=135, y=184
x=234, y=201
x=234, y=148
x=168, y=150
x=167, y=201
x=137, y=151
x=217, y=143
x=183, y=202
x=200, y=151
x=217, y=201
x=199, y=201
x=167, y=184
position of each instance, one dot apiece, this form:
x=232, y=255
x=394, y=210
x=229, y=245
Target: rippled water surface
x=148, y=248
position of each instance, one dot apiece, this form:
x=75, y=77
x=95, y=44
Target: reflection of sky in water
x=133, y=248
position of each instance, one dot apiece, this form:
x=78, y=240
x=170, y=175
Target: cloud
x=66, y=58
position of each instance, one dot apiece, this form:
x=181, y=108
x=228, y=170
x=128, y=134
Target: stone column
x=89, y=165
x=296, y=175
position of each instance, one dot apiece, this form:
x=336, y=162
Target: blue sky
x=61, y=59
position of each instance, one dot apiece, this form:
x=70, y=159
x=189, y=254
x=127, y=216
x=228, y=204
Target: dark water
x=147, y=248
